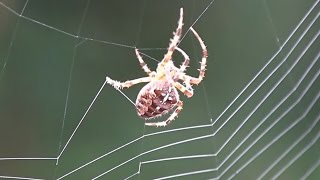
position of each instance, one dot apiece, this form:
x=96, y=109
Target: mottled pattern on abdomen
x=155, y=99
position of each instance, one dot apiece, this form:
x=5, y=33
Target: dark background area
x=55, y=55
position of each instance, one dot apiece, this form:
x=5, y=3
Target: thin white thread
x=274, y=30
x=27, y=158
x=17, y=177
x=64, y=32
x=156, y=149
x=152, y=58
x=70, y=76
x=271, y=91
x=311, y=170
x=273, y=71
x=202, y=13
x=129, y=177
x=187, y=174
x=179, y=158
x=307, y=147
x=278, y=136
x=12, y=39
x=100, y=157
x=85, y=114
x=269, y=61
x=292, y=146
x=270, y=113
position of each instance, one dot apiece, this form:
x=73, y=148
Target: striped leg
x=170, y=119
x=142, y=63
x=174, y=41
x=186, y=61
x=202, y=64
x=186, y=90
x=127, y=84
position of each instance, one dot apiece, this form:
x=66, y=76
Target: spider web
x=255, y=116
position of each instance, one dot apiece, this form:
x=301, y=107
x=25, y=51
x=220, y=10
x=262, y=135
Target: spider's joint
x=190, y=88
x=153, y=74
x=205, y=53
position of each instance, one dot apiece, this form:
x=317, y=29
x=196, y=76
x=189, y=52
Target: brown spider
x=160, y=95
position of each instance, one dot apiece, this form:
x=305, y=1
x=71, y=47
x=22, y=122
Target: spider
x=160, y=95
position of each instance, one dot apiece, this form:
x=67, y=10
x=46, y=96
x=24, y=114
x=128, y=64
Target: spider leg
x=203, y=63
x=186, y=90
x=126, y=84
x=174, y=41
x=170, y=119
x=142, y=63
x=184, y=65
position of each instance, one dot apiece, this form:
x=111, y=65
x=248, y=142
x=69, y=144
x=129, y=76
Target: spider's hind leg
x=170, y=119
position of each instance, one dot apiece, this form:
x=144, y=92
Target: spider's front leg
x=185, y=63
x=174, y=41
x=194, y=80
x=120, y=85
x=143, y=64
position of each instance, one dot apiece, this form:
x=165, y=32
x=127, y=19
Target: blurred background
x=255, y=115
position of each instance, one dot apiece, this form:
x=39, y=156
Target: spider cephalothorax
x=160, y=95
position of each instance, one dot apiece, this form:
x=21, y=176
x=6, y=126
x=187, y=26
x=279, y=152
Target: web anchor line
x=83, y=117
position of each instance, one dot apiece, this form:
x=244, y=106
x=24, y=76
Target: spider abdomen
x=155, y=99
